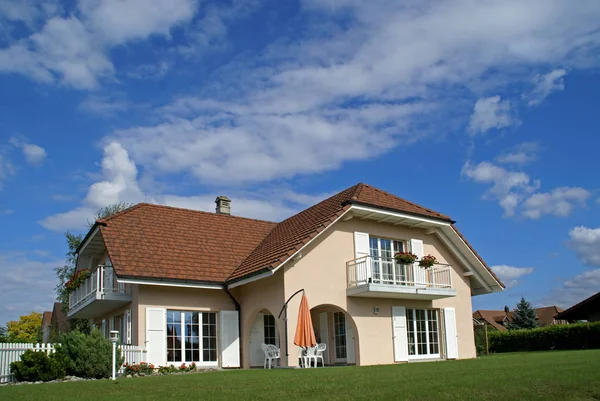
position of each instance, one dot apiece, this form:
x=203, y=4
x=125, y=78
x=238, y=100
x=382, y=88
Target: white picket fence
x=11, y=352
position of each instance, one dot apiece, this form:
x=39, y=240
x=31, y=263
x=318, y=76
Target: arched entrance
x=336, y=328
x=263, y=330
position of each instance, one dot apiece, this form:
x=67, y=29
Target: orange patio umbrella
x=305, y=334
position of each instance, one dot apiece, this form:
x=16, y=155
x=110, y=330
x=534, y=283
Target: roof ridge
x=405, y=200
x=158, y=205
x=121, y=212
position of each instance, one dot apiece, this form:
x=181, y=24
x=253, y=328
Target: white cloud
x=510, y=275
x=74, y=50
x=34, y=154
x=26, y=274
x=586, y=244
x=574, y=290
x=119, y=184
x=103, y=106
x=509, y=188
x=490, y=113
x=521, y=154
x=516, y=190
x=545, y=84
x=6, y=169
x=559, y=202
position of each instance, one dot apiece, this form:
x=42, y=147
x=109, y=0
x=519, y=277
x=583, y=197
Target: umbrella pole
x=284, y=311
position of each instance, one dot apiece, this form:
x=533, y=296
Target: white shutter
x=361, y=244
x=324, y=333
x=104, y=328
x=156, y=339
x=361, y=248
x=451, y=333
x=350, y=354
x=230, y=339
x=128, y=326
x=416, y=247
x=111, y=325
x=257, y=338
x=399, y=334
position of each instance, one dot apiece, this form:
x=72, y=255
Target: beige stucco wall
x=253, y=297
x=178, y=298
x=322, y=273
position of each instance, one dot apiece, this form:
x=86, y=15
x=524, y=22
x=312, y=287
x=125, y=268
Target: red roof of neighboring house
x=162, y=242
x=544, y=316
x=46, y=318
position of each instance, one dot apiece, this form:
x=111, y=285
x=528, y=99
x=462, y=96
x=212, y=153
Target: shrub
x=560, y=337
x=88, y=356
x=36, y=366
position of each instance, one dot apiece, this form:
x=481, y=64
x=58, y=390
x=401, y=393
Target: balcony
x=99, y=294
x=385, y=278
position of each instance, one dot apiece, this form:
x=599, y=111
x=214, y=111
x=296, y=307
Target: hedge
x=560, y=337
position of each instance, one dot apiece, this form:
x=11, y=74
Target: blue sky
x=483, y=110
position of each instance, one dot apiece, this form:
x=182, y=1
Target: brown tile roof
x=291, y=234
x=162, y=242
x=545, y=315
x=492, y=317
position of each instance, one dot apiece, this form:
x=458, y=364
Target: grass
x=556, y=375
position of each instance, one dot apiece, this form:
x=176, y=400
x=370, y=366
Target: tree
x=25, y=330
x=523, y=316
x=3, y=334
x=65, y=272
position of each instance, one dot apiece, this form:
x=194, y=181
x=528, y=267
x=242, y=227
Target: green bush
x=37, y=366
x=87, y=356
x=560, y=337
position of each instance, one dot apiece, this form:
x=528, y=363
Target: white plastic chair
x=271, y=354
x=319, y=354
x=310, y=355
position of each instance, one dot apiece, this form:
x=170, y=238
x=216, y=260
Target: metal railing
x=101, y=281
x=377, y=270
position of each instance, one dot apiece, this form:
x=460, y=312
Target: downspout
x=238, y=308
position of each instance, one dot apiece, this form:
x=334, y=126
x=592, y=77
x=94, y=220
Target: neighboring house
x=46, y=324
x=588, y=309
x=208, y=287
x=58, y=323
x=500, y=319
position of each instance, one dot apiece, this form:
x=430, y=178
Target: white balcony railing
x=387, y=271
x=100, y=283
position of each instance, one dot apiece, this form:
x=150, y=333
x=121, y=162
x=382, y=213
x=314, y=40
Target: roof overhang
x=170, y=283
x=444, y=230
x=478, y=271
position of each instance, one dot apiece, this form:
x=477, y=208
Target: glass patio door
x=339, y=327
x=385, y=270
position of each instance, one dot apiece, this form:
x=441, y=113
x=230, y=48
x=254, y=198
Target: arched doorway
x=336, y=328
x=263, y=330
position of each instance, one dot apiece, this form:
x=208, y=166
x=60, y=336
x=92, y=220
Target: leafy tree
x=523, y=316
x=25, y=330
x=65, y=272
x=3, y=335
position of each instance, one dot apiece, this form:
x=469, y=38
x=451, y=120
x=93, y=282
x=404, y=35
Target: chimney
x=506, y=309
x=223, y=205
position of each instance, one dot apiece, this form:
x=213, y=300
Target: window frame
x=379, y=265
x=411, y=320
x=201, y=338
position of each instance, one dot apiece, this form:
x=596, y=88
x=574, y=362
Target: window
x=384, y=268
x=339, y=323
x=422, y=332
x=270, y=330
x=184, y=332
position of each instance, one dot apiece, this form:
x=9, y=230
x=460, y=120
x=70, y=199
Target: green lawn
x=558, y=375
